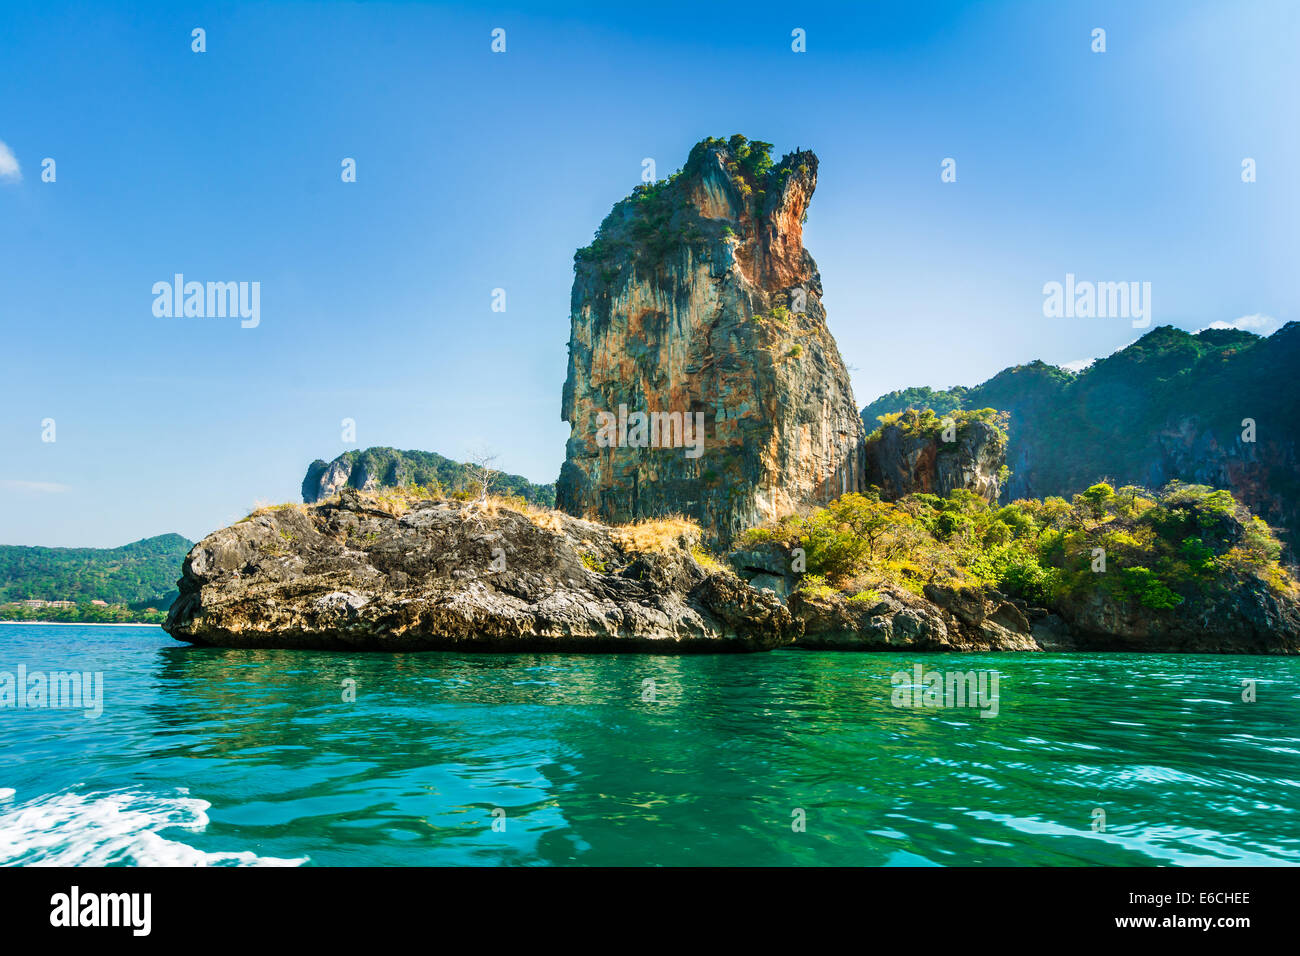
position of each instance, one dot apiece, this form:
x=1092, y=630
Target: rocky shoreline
x=366, y=572
x=1250, y=619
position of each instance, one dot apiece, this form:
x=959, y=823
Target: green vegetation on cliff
x=1155, y=549
x=138, y=575
x=940, y=401
x=924, y=423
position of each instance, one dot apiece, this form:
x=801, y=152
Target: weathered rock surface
x=697, y=297
x=449, y=575
x=766, y=567
x=898, y=620
x=1249, y=619
x=900, y=463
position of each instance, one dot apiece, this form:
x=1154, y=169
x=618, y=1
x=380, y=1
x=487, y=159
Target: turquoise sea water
x=242, y=757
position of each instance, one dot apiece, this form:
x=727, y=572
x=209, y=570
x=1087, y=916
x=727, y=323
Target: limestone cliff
x=924, y=454
x=697, y=299
x=378, y=468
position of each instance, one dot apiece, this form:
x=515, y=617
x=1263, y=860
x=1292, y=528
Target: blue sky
x=479, y=171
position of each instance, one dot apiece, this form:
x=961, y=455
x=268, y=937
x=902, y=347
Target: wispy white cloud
x=42, y=487
x=1252, y=323
x=9, y=168
x=1078, y=365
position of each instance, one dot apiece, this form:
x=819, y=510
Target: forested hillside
x=1218, y=408
x=141, y=574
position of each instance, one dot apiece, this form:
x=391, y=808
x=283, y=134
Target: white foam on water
x=1176, y=846
x=114, y=827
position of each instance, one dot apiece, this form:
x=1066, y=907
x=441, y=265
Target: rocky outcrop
x=1246, y=619
x=449, y=575
x=889, y=618
x=1244, y=616
x=326, y=479
x=894, y=619
x=766, y=566
x=970, y=455
x=363, y=573
x=698, y=302
x=378, y=468
x=1249, y=620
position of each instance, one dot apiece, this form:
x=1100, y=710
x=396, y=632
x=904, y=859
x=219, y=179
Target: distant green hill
x=920, y=397
x=1173, y=405
x=141, y=574
x=389, y=468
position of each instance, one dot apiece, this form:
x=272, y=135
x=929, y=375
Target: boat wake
x=113, y=828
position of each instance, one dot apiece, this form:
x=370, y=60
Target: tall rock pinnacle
x=702, y=378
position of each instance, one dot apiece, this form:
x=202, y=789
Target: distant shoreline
x=82, y=624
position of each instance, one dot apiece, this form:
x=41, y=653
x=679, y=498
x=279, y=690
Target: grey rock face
x=1249, y=619
x=449, y=575
x=902, y=464
x=897, y=620
x=767, y=566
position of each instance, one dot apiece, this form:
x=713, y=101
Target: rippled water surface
x=243, y=757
